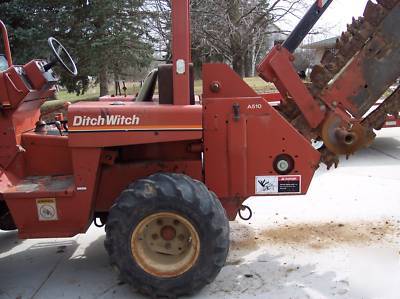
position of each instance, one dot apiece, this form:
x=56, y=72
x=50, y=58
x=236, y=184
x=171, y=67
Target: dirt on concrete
x=314, y=235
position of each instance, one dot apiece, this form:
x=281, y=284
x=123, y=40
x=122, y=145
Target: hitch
x=244, y=208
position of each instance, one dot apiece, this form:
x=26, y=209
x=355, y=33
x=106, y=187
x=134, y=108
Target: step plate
x=42, y=186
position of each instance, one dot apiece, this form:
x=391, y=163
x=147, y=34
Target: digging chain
x=376, y=120
x=358, y=33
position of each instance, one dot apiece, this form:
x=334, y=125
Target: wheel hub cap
x=168, y=233
x=165, y=245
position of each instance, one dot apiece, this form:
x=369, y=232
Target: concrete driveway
x=339, y=241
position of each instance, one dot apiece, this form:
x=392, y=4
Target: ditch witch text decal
x=109, y=120
x=106, y=123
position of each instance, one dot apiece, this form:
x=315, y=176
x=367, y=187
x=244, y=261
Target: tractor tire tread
x=181, y=192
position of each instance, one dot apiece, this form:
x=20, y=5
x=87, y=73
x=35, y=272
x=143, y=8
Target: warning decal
x=47, y=209
x=285, y=184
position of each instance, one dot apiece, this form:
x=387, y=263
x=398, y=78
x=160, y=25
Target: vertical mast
x=181, y=51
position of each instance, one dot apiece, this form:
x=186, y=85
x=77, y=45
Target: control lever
x=59, y=127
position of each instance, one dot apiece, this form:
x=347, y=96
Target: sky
x=335, y=19
x=341, y=12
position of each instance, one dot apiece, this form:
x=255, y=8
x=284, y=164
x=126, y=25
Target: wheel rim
x=165, y=245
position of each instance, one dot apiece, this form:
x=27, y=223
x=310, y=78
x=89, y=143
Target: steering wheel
x=62, y=56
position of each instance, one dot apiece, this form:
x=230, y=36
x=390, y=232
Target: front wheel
x=167, y=235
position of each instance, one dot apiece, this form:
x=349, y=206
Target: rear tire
x=167, y=235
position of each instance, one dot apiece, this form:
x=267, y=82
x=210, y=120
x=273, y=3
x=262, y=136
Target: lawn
x=133, y=87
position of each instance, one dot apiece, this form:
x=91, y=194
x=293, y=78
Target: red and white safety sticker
x=282, y=184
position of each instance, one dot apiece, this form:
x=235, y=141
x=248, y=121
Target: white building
x=319, y=48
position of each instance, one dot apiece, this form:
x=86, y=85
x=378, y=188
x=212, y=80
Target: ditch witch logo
x=109, y=120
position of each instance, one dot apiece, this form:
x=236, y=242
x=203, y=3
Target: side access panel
x=243, y=137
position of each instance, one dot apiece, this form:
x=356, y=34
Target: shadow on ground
x=62, y=269
x=266, y=274
x=27, y=267
x=8, y=240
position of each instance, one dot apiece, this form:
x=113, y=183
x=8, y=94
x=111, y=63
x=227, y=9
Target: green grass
x=259, y=85
x=92, y=94
x=63, y=97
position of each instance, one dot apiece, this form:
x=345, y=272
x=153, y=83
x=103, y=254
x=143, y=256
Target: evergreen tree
x=105, y=37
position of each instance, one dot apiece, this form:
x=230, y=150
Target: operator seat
x=166, y=85
x=146, y=93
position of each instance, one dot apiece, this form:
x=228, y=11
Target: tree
x=232, y=31
x=238, y=29
x=104, y=36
